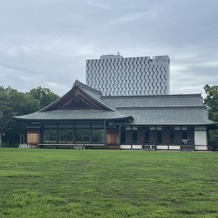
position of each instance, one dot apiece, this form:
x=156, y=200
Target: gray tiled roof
x=81, y=114
x=154, y=101
x=187, y=109
x=145, y=110
x=168, y=116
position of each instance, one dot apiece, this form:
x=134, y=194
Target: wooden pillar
x=21, y=138
x=119, y=135
x=42, y=133
x=0, y=139
x=105, y=133
x=90, y=132
x=57, y=132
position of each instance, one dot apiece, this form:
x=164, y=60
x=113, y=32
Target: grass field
x=104, y=183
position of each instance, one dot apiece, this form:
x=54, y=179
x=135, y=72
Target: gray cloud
x=46, y=42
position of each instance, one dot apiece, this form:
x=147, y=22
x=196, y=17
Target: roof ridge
x=163, y=107
x=152, y=96
x=82, y=85
x=84, y=88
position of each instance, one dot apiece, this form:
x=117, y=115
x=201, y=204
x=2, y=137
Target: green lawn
x=105, y=183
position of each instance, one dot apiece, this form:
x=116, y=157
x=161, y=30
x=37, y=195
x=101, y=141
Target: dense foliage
x=211, y=101
x=13, y=103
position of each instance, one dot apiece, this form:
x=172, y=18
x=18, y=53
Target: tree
x=211, y=101
x=44, y=95
x=5, y=111
x=14, y=103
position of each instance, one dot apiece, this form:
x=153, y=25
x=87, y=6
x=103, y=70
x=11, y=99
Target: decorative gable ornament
x=77, y=101
x=79, y=97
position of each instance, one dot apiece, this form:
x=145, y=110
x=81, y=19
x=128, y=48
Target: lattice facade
x=115, y=75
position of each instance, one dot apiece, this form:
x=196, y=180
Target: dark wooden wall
x=153, y=138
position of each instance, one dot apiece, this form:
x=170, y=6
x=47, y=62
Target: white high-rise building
x=119, y=76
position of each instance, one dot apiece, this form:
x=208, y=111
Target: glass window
x=123, y=134
x=98, y=135
x=159, y=136
x=171, y=134
x=50, y=136
x=184, y=137
x=82, y=136
x=65, y=136
x=184, y=134
x=147, y=136
x=134, y=135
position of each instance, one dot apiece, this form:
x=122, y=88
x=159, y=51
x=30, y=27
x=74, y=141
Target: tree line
x=211, y=101
x=15, y=103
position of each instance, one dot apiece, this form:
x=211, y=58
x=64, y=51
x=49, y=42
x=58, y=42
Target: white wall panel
x=162, y=147
x=201, y=148
x=174, y=147
x=125, y=146
x=138, y=147
x=200, y=137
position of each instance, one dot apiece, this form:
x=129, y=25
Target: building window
x=171, y=135
x=147, y=137
x=50, y=136
x=184, y=137
x=98, y=136
x=123, y=135
x=159, y=136
x=184, y=134
x=82, y=136
x=134, y=136
x=65, y=136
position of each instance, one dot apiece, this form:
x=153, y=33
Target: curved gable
x=77, y=98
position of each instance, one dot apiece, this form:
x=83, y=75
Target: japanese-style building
x=83, y=118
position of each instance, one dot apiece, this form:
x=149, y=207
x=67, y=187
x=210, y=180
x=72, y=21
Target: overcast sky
x=46, y=42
